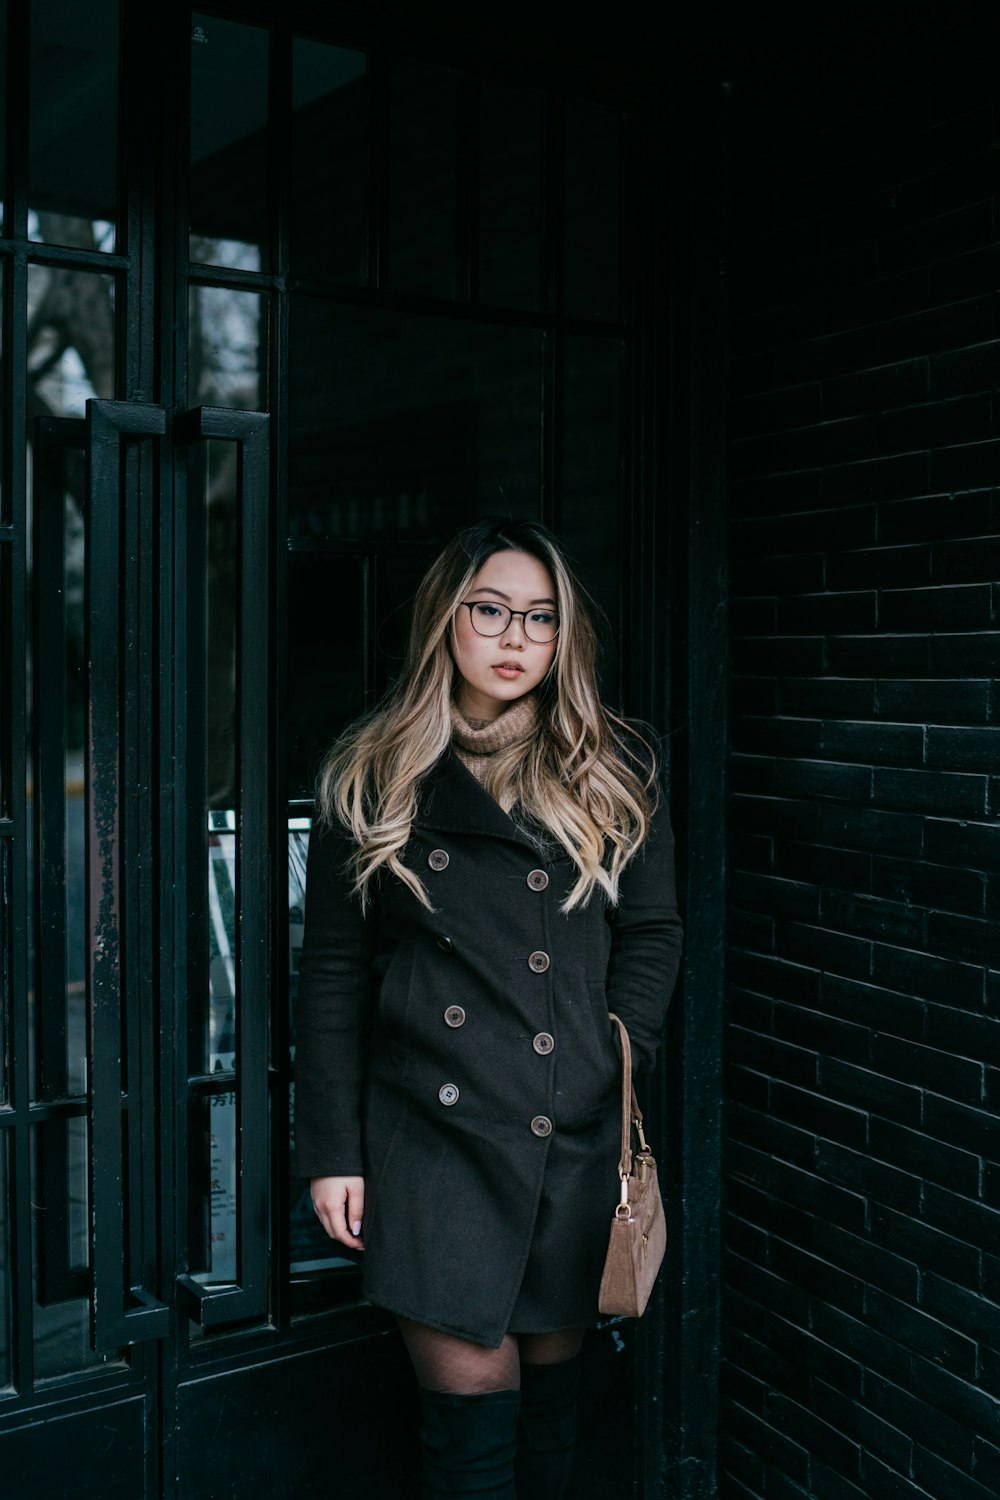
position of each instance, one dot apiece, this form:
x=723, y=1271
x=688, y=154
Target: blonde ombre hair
x=584, y=774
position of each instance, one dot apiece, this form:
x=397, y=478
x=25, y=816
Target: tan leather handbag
x=638, y=1229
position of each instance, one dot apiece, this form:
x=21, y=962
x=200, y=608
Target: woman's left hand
x=340, y=1206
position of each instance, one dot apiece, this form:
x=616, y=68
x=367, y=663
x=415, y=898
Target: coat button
x=454, y=1016
x=543, y=1043
x=538, y=962
x=438, y=859
x=541, y=1125
x=444, y=943
x=538, y=880
x=448, y=1093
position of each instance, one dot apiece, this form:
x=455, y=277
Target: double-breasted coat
x=462, y=1059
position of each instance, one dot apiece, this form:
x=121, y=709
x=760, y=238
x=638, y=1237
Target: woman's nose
x=514, y=634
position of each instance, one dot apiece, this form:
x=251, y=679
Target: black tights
x=443, y=1362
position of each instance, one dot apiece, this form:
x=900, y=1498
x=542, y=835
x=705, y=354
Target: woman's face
x=497, y=670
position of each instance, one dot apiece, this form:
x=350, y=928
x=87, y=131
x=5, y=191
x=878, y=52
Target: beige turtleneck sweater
x=475, y=740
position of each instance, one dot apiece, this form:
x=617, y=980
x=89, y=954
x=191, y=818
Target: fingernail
x=356, y=1226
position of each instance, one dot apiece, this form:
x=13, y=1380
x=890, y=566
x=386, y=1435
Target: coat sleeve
x=335, y=987
x=646, y=939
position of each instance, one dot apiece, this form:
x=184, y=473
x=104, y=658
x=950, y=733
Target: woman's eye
x=488, y=611
x=542, y=617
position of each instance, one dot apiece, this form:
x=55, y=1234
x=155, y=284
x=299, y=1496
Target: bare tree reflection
x=224, y=363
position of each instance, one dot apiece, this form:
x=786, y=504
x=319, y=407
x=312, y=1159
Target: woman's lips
x=509, y=670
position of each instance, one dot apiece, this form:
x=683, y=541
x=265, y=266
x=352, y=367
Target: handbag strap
x=630, y=1104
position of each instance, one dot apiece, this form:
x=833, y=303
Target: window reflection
x=224, y=348
x=224, y=365
x=222, y=522
x=592, y=498
x=228, y=185
x=5, y=1220
x=423, y=178
x=3, y=111
x=310, y=1247
x=405, y=427
x=75, y=234
x=348, y=619
x=73, y=126
x=214, y=1182
x=510, y=197
x=5, y=947
x=221, y=1057
x=58, y=979
x=329, y=162
x=4, y=506
x=326, y=658
x=59, y=1196
x=213, y=1251
x=225, y=360
x=592, y=252
x=399, y=576
x=71, y=346
x=70, y=360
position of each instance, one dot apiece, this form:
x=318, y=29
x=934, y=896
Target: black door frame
x=684, y=545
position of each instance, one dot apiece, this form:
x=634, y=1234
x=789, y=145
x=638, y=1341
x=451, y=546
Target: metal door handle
x=247, y=1297
x=122, y=1312
x=60, y=1276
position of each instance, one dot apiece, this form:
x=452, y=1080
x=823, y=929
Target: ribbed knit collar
x=476, y=740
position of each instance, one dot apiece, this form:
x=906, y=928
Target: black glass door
x=327, y=299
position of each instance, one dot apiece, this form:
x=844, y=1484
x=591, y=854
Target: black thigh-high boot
x=547, y=1429
x=469, y=1444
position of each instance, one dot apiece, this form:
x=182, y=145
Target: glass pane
x=5, y=948
x=6, y=1216
x=61, y=1249
x=70, y=360
x=298, y=854
x=4, y=95
x=221, y=1042
x=310, y=1247
x=5, y=517
x=405, y=427
x=5, y=972
x=510, y=197
x=326, y=659
x=225, y=360
x=329, y=162
x=213, y=1227
x=399, y=576
x=592, y=254
x=423, y=178
x=225, y=335
x=73, y=128
x=213, y=1037
x=59, y=826
x=6, y=676
x=213, y=1224
x=229, y=198
x=591, y=488
x=221, y=632
x=71, y=348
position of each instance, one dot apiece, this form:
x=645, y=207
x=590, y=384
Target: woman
x=488, y=877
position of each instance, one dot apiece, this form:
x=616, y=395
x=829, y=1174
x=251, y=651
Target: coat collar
x=451, y=800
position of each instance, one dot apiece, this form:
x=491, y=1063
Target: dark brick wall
x=862, y=1223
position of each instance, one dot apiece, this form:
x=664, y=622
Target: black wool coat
x=462, y=1059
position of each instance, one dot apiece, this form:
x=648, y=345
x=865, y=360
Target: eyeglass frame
x=471, y=604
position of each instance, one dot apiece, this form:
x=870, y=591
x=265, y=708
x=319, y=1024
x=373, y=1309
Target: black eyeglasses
x=540, y=625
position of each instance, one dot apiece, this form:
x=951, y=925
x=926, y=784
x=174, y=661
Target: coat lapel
x=451, y=800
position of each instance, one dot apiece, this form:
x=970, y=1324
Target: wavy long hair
x=583, y=773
